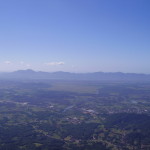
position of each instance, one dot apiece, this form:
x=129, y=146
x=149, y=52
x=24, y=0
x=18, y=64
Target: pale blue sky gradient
x=75, y=35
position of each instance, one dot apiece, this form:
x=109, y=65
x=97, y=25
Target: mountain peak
x=25, y=71
x=99, y=76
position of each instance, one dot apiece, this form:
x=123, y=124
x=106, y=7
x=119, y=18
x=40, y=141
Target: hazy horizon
x=75, y=36
x=72, y=71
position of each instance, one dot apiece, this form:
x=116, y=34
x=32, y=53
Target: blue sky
x=75, y=35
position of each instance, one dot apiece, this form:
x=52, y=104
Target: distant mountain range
x=116, y=76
